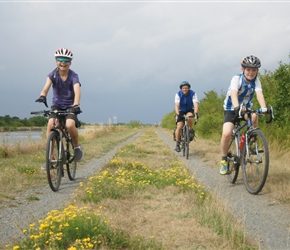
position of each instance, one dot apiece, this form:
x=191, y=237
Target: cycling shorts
x=230, y=117
x=69, y=116
x=181, y=118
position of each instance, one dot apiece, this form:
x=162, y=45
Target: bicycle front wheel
x=71, y=164
x=186, y=141
x=233, y=162
x=255, y=161
x=53, y=162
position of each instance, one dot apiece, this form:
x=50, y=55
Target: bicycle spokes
x=255, y=162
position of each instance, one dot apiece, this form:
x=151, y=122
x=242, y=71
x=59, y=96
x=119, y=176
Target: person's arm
x=196, y=107
x=46, y=87
x=261, y=99
x=177, y=108
x=177, y=104
x=77, y=90
x=195, y=103
x=234, y=96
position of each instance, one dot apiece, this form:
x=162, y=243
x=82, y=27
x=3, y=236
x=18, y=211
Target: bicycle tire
x=233, y=162
x=183, y=141
x=255, y=165
x=71, y=164
x=186, y=142
x=53, y=163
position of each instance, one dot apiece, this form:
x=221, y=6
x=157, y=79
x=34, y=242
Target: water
x=20, y=136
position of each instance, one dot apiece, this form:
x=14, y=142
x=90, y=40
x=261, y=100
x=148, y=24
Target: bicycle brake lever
x=271, y=112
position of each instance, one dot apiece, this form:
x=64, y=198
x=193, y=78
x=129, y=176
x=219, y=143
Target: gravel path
x=265, y=220
x=18, y=214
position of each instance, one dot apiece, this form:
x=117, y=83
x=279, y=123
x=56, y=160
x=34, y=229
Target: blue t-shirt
x=63, y=91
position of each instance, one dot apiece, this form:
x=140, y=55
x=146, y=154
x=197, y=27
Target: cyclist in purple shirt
x=66, y=95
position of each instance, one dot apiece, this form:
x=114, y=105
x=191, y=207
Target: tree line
x=8, y=123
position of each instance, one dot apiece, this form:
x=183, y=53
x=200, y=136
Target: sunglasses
x=66, y=60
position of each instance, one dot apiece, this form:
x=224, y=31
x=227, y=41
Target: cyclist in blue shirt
x=186, y=102
x=66, y=95
x=242, y=89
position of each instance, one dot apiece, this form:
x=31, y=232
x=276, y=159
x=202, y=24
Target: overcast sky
x=132, y=56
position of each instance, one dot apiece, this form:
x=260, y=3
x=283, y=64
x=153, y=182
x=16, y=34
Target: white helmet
x=63, y=52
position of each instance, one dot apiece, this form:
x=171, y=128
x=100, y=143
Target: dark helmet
x=184, y=83
x=251, y=62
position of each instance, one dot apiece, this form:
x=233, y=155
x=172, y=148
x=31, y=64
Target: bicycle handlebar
x=270, y=112
x=48, y=112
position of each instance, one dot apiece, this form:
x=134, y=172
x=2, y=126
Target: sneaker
x=177, y=147
x=78, y=153
x=224, y=168
x=191, y=134
x=43, y=167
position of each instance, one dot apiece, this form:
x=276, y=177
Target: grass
x=143, y=198
x=20, y=167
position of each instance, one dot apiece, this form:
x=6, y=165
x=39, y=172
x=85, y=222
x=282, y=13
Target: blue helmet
x=184, y=83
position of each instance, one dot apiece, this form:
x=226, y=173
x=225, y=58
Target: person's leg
x=179, y=126
x=48, y=129
x=225, y=140
x=190, y=126
x=71, y=128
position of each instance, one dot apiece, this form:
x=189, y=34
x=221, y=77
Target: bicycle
x=250, y=151
x=185, y=140
x=59, y=150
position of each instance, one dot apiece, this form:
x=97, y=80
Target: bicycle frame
x=60, y=128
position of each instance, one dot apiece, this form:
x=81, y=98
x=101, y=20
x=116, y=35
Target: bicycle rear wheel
x=233, y=162
x=53, y=163
x=255, y=161
x=71, y=164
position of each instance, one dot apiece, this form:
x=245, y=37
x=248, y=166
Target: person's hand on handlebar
x=263, y=110
x=195, y=117
x=75, y=109
x=42, y=98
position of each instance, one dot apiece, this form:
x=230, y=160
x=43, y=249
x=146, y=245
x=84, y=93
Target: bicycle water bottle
x=242, y=142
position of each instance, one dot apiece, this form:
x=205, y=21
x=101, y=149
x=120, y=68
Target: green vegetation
x=8, y=123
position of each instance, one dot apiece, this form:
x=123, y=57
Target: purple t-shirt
x=63, y=91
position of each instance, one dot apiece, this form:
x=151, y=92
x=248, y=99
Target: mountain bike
x=59, y=150
x=249, y=149
x=184, y=141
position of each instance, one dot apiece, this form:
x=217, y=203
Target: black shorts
x=69, y=116
x=180, y=117
x=230, y=117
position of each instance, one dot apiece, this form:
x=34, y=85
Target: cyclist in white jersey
x=242, y=89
